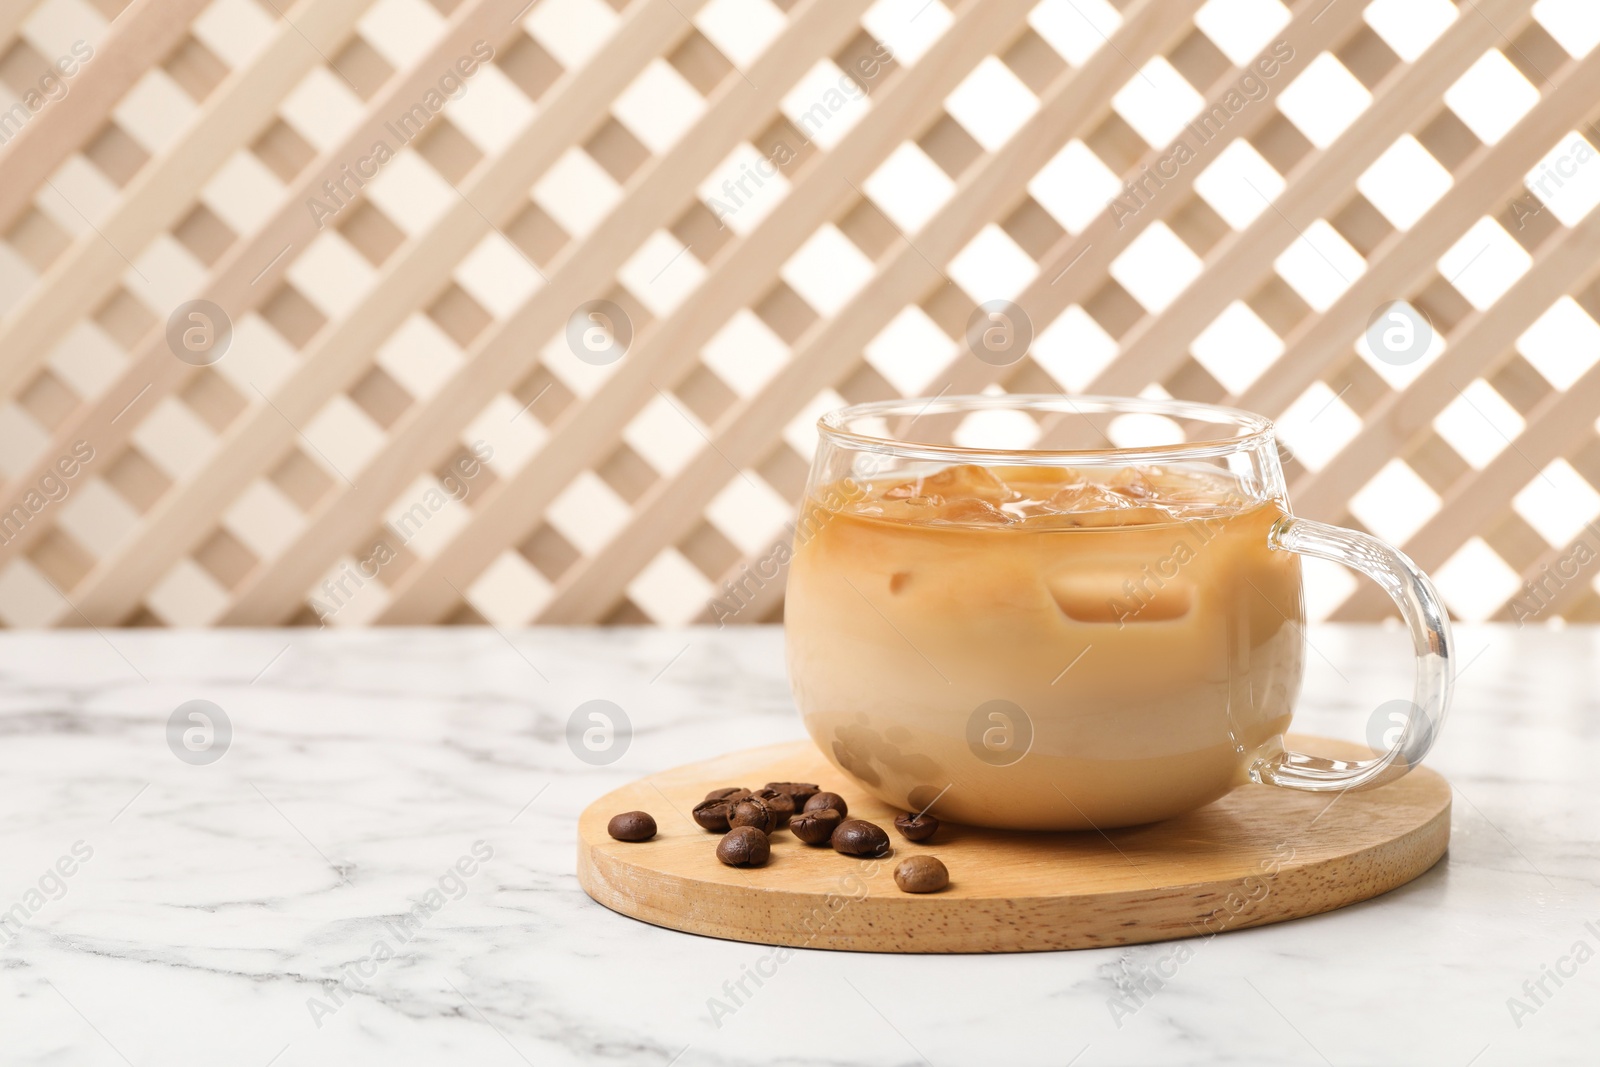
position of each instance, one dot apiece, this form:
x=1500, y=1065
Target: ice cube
x=968, y=481
x=910, y=509
x=1135, y=483
x=904, y=491
x=1203, y=491
x=1102, y=598
x=1080, y=497
x=972, y=512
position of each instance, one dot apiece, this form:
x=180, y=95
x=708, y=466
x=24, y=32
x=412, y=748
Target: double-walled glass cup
x=1054, y=613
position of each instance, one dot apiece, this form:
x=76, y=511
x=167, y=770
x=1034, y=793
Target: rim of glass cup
x=1251, y=430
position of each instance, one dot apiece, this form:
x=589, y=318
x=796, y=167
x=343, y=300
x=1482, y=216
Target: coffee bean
x=752, y=811
x=713, y=815
x=921, y=874
x=780, y=804
x=745, y=846
x=729, y=793
x=799, y=792
x=815, y=827
x=818, y=801
x=858, y=837
x=632, y=826
x=916, y=827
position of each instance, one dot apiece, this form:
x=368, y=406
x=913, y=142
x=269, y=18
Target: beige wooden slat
x=12, y=16
x=1069, y=106
x=140, y=37
x=1395, y=266
x=1566, y=264
x=587, y=432
x=504, y=354
x=248, y=274
x=1072, y=270
x=185, y=516
x=1157, y=344
x=1552, y=427
x=241, y=106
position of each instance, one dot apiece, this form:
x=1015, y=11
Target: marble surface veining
x=262, y=909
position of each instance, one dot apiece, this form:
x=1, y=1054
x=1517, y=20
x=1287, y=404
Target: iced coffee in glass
x=1068, y=613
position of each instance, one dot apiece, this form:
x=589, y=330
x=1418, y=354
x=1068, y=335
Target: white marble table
x=212, y=910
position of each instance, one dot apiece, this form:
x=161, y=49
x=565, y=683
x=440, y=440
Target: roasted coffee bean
x=818, y=801
x=780, y=804
x=729, y=793
x=713, y=815
x=632, y=826
x=751, y=811
x=921, y=874
x=916, y=827
x=799, y=792
x=858, y=837
x=745, y=846
x=815, y=827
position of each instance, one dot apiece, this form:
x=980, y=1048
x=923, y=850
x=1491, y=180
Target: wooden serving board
x=1259, y=855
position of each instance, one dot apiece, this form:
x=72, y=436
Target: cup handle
x=1419, y=605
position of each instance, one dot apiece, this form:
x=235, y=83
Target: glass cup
x=1060, y=613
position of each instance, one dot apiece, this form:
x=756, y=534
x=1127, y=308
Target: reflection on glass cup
x=1099, y=629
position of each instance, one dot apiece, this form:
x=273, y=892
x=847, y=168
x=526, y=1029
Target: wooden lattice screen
x=402, y=211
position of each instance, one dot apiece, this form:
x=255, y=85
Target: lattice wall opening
x=395, y=407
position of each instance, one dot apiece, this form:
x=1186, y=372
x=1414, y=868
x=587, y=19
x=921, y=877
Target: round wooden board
x=1259, y=855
